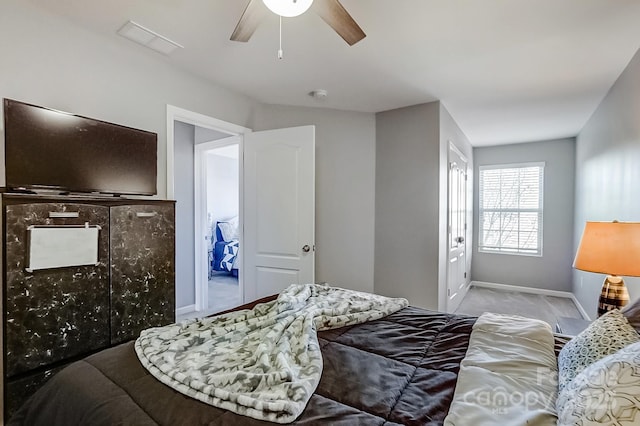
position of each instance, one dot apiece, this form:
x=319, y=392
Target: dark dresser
x=56, y=309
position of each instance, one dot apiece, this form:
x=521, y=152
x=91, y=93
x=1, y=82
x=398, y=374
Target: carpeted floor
x=224, y=292
x=547, y=308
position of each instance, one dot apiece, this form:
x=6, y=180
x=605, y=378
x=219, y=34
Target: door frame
x=200, y=218
x=174, y=114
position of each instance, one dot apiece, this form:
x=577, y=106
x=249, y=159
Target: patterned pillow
x=605, y=336
x=605, y=393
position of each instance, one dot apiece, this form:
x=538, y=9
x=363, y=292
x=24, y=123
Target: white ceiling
x=507, y=70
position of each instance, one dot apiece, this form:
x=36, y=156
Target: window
x=511, y=209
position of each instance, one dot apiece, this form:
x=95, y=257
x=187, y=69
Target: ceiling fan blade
x=334, y=14
x=249, y=21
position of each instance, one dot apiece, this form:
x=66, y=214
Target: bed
x=224, y=253
x=398, y=370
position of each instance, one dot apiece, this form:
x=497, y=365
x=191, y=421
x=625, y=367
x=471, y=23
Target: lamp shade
x=611, y=248
x=288, y=8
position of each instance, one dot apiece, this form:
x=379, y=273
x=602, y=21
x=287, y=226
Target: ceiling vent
x=146, y=37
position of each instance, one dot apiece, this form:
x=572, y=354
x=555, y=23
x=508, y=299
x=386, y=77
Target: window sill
x=506, y=253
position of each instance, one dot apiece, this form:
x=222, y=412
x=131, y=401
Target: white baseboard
x=532, y=290
x=185, y=310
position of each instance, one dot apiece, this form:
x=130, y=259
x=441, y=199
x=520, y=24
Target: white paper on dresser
x=61, y=246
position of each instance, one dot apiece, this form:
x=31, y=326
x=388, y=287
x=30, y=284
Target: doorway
x=276, y=235
x=221, y=178
x=188, y=134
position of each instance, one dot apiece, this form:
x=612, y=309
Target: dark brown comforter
x=401, y=369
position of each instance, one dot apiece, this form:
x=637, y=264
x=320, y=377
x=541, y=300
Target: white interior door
x=279, y=210
x=457, y=226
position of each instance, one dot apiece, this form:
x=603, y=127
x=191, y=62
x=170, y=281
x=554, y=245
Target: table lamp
x=611, y=248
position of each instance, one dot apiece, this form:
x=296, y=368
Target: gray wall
x=185, y=247
x=407, y=204
x=451, y=132
x=223, y=188
x=203, y=135
x=553, y=269
x=608, y=173
x=345, y=189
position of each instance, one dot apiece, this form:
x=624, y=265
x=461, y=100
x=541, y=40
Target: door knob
x=460, y=239
x=306, y=248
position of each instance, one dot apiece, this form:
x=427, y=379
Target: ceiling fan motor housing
x=288, y=8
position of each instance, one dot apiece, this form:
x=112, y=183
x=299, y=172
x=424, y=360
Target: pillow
x=605, y=336
x=605, y=393
x=219, y=236
x=632, y=313
x=235, y=222
x=227, y=231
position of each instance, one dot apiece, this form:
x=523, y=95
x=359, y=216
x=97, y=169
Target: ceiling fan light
x=288, y=8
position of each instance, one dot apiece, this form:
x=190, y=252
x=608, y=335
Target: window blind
x=511, y=208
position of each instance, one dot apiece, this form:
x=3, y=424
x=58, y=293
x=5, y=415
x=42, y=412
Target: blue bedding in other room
x=226, y=247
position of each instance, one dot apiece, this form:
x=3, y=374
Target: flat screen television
x=54, y=150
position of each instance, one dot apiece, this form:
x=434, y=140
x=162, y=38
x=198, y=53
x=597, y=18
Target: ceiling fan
x=331, y=11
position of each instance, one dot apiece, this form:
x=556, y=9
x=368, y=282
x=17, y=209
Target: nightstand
x=571, y=326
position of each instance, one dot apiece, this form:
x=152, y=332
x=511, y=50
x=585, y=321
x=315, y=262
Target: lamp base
x=614, y=294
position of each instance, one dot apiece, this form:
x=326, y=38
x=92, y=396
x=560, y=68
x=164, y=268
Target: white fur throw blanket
x=263, y=363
